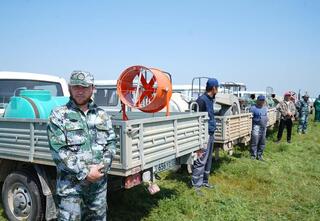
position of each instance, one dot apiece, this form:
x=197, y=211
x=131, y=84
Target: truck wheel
x=21, y=197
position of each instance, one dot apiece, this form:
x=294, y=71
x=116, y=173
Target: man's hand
x=200, y=153
x=95, y=174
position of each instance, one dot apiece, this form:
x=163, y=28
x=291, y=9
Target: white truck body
x=143, y=142
x=12, y=82
x=146, y=144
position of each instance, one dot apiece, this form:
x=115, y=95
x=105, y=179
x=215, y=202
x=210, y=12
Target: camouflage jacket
x=284, y=108
x=270, y=102
x=78, y=140
x=302, y=107
x=251, y=102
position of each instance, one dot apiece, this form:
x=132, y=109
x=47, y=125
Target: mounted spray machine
x=146, y=89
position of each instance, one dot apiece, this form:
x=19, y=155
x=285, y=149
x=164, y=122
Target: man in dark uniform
x=316, y=105
x=202, y=166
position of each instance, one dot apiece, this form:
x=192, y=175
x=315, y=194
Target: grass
x=284, y=187
x=2, y=216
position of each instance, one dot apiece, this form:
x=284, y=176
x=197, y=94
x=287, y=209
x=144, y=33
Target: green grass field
x=284, y=187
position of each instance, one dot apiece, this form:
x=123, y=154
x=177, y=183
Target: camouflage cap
x=306, y=95
x=82, y=78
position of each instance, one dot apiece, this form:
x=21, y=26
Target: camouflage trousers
x=87, y=206
x=303, y=123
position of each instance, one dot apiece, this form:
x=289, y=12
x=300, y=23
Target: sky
x=257, y=42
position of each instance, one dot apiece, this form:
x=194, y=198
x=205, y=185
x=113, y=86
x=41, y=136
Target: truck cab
x=232, y=88
x=11, y=83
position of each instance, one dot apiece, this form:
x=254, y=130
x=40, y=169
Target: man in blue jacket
x=259, y=128
x=202, y=166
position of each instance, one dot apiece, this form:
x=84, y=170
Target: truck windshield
x=106, y=97
x=10, y=87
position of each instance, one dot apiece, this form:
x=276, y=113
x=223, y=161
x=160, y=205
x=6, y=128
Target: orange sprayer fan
x=147, y=89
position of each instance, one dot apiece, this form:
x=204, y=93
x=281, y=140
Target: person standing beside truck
x=82, y=143
x=316, y=105
x=252, y=100
x=202, y=166
x=270, y=101
x=259, y=128
x=287, y=111
x=274, y=99
x=303, y=113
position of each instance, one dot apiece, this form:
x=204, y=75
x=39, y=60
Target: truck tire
x=22, y=198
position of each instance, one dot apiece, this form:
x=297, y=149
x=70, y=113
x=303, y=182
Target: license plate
x=164, y=166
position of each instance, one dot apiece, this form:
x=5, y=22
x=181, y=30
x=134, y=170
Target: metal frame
x=143, y=142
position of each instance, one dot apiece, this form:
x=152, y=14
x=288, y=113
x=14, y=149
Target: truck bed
x=144, y=141
x=236, y=129
x=233, y=129
x=272, y=116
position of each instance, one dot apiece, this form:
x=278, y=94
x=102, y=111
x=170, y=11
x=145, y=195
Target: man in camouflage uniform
x=303, y=111
x=82, y=144
x=270, y=101
x=252, y=100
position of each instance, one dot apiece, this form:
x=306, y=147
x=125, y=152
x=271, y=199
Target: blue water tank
x=34, y=104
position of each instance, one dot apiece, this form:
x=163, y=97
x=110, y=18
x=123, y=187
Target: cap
x=287, y=94
x=212, y=82
x=261, y=98
x=82, y=78
x=305, y=95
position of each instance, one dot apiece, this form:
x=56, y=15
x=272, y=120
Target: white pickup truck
x=13, y=82
x=146, y=144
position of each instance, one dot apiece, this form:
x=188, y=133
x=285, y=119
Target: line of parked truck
x=147, y=143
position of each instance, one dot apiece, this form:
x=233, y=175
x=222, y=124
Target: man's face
x=260, y=103
x=215, y=90
x=80, y=94
x=287, y=98
x=305, y=98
